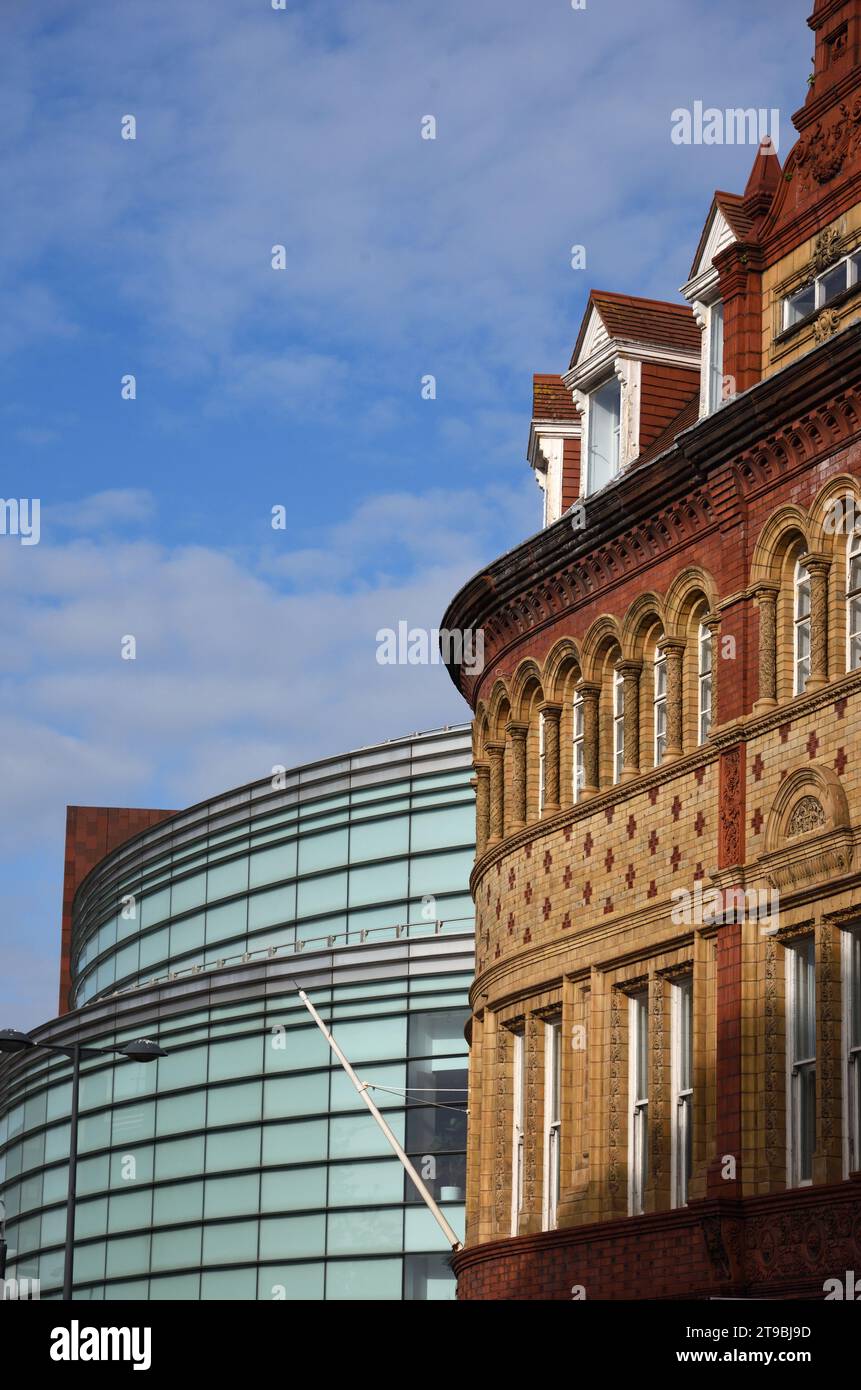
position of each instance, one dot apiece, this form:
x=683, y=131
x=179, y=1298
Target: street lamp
x=141, y=1050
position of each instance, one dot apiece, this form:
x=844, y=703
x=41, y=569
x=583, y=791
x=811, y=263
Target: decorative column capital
x=671, y=646
x=590, y=690
x=628, y=667
x=550, y=709
x=712, y=621
x=517, y=729
x=815, y=562
x=765, y=590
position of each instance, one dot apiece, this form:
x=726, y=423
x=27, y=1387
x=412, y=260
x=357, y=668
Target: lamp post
x=141, y=1050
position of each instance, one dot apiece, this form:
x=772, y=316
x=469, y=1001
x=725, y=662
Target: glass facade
x=243, y=1165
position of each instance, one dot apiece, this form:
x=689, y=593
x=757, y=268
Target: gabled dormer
x=726, y=225
x=554, y=444
x=635, y=368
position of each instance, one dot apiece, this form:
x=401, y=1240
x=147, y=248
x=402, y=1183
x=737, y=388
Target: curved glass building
x=243, y=1165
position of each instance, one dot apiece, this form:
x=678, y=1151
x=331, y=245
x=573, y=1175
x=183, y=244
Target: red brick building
x=665, y=1062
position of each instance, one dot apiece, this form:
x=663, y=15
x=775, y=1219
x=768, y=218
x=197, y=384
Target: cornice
x=650, y=510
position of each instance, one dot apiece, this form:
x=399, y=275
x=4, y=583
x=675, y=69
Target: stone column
x=481, y=782
x=496, y=817
x=590, y=690
x=766, y=599
x=630, y=673
x=517, y=731
x=674, y=650
x=552, y=714
x=817, y=567
x=712, y=622
x=659, y=1180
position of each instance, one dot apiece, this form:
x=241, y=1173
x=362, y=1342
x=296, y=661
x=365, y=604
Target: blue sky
x=256, y=388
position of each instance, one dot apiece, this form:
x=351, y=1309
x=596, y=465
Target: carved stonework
x=808, y=814
x=829, y=1064
x=731, y=815
x=826, y=325
x=614, y=1093
x=656, y=1107
x=532, y=1119
x=766, y=598
x=501, y=1165
x=772, y=1051
x=826, y=249
x=517, y=732
x=820, y=155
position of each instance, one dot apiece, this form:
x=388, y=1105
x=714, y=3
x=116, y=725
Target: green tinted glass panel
x=325, y=894
x=360, y=1280
x=270, y=865
x=293, y=1189
x=227, y=879
x=292, y=1237
x=302, y=1142
x=231, y=1243
x=234, y=1104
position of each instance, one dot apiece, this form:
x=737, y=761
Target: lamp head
x=142, y=1050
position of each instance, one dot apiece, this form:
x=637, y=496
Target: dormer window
x=605, y=417
x=715, y=362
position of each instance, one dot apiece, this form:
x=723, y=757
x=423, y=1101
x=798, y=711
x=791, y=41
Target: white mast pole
x=362, y=1088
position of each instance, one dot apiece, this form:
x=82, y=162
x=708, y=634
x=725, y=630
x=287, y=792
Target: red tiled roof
x=655, y=322
x=687, y=416
x=732, y=207
x=551, y=399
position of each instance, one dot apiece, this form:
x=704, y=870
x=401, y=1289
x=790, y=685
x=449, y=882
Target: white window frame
x=800, y=624
x=853, y=597
x=852, y=262
x=517, y=1142
x=552, y=1121
x=542, y=764
x=681, y=1070
x=704, y=683
x=615, y=459
x=851, y=973
x=800, y=983
x=638, y=1105
x=659, y=706
x=618, y=726
x=715, y=378
x=578, y=746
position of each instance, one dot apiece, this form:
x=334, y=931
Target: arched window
x=660, y=703
x=801, y=653
x=853, y=600
x=618, y=725
x=704, y=682
x=579, y=759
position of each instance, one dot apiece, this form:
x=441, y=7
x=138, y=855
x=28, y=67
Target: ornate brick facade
x=668, y=717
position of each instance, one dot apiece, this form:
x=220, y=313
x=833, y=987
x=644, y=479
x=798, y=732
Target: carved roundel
x=807, y=814
x=810, y=800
